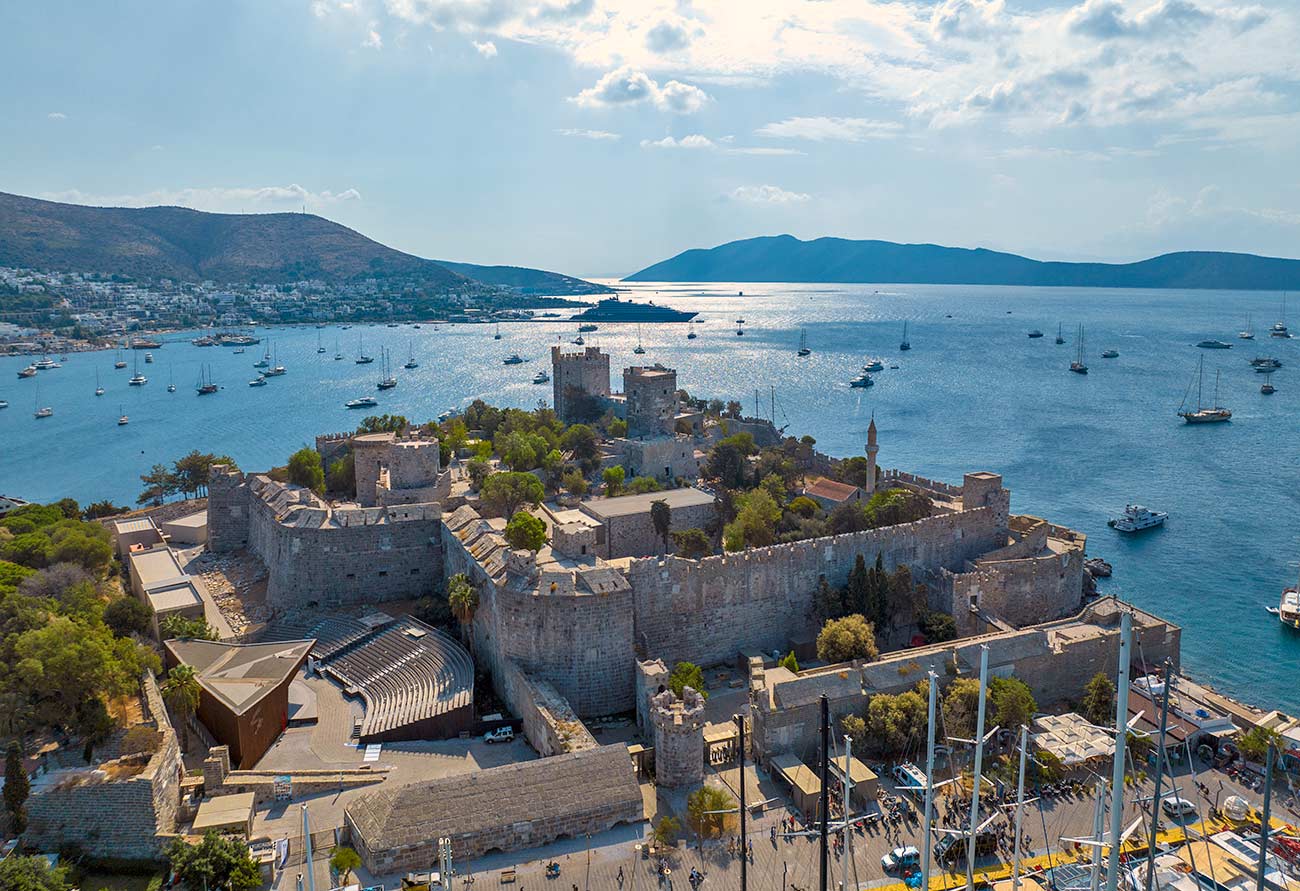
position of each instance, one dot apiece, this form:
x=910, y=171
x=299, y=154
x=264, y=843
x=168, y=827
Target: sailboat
x=1077, y=365
x=206, y=386
x=118, y=362
x=122, y=419
x=387, y=382
x=41, y=412
x=362, y=358
x=338, y=355
x=276, y=369
x=265, y=361
x=497, y=335
x=1059, y=338
x=137, y=379
x=1279, y=328
x=1267, y=387
x=1247, y=333
x=1204, y=415
x=740, y=327
x=640, y=350
x=171, y=383
x=803, y=343
x=410, y=357
x=906, y=344
x=320, y=348
x=99, y=391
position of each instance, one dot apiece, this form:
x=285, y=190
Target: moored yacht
x=29, y=371
x=45, y=364
x=1214, y=345
x=1136, y=518
x=862, y=380
x=1035, y=334
x=541, y=377
x=1077, y=366
x=874, y=364
x=363, y=402
x=1288, y=610
x=512, y=359
x=1204, y=414
x=906, y=344
x=257, y=382
x=1110, y=354
x=1247, y=333
x=803, y=343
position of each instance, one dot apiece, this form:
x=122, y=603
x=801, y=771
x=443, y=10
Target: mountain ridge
x=784, y=258
x=191, y=245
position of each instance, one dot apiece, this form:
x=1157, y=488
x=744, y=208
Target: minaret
x=872, y=448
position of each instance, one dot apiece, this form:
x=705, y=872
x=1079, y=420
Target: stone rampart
x=550, y=725
x=1055, y=659
x=1020, y=591
x=760, y=599
x=129, y=818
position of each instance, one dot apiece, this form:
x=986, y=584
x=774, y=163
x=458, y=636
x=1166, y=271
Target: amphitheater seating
x=416, y=682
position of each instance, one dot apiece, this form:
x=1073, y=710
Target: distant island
x=784, y=258
x=184, y=245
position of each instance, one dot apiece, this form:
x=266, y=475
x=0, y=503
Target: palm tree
x=463, y=599
x=181, y=693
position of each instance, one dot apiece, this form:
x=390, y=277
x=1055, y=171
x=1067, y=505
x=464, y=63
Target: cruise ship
x=612, y=309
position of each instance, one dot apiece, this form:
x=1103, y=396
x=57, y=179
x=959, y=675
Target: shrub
x=687, y=674
x=140, y=739
x=126, y=615
x=851, y=637
x=305, y=470
x=788, y=661
x=526, y=532
x=642, y=485
x=613, y=477
x=692, y=543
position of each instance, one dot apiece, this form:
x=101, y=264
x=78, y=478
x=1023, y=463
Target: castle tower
x=228, y=509
x=369, y=456
x=679, y=738
x=984, y=489
x=872, y=449
x=651, y=395
x=585, y=373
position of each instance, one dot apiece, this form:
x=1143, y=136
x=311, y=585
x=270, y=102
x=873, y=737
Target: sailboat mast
x=1121, y=737
x=1200, y=383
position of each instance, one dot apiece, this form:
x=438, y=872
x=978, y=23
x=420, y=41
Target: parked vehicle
x=900, y=858
x=500, y=735
x=1178, y=807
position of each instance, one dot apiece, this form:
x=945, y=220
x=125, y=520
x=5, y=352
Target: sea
x=975, y=392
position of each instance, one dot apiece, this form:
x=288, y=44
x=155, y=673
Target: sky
x=596, y=137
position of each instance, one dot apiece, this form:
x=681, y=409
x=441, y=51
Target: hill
x=784, y=258
x=192, y=245
x=525, y=280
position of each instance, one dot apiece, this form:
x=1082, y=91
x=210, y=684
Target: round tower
x=872, y=449
x=679, y=738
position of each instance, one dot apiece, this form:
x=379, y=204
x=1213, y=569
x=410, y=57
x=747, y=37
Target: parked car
x=900, y=858
x=500, y=735
x=1178, y=807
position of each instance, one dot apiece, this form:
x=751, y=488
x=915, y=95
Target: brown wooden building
x=244, y=699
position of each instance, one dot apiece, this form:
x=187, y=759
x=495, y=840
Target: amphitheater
x=415, y=681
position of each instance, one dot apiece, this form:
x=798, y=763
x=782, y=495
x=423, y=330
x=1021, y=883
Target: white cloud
x=57, y=116
x=694, y=141
x=767, y=195
x=821, y=129
x=631, y=86
x=223, y=199
x=487, y=49
x=598, y=135
x=373, y=40
x=666, y=37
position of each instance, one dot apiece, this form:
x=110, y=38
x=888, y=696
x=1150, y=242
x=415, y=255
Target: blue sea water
x=974, y=393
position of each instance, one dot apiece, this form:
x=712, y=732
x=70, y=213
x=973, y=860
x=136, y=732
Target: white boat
x=803, y=343
x=1077, y=365
x=906, y=344
x=541, y=377
x=1267, y=387
x=874, y=364
x=3, y=404
x=99, y=390
x=862, y=380
x=1204, y=414
x=363, y=402
x=387, y=382
x=1214, y=345
x=148, y=358
x=1247, y=333
x=1279, y=328
x=1136, y=518
x=122, y=419
x=1059, y=339
x=512, y=359
x=137, y=379
x=29, y=371
x=1265, y=363
x=41, y=412
x=1110, y=354
x=1288, y=610
x=45, y=364
x=257, y=382
x=44, y=412
x=410, y=356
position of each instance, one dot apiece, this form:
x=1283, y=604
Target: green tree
x=32, y=874
x=1098, y=703
x=828, y=601
x=581, y=441
x=666, y=830
x=788, y=661
x=617, y=428
x=877, y=605
x=159, y=483
x=181, y=692
x=383, y=424
x=462, y=596
x=522, y=451
x=1012, y=702
x=613, y=477
x=478, y=469
x=178, y=627
x=693, y=543
x=855, y=590
x=127, y=615
x=305, y=470
x=803, y=506
x=643, y=485
x=191, y=472
x=856, y=728
x=215, y=862
x=505, y=493
x=727, y=462
x=687, y=674
x=755, y=523
x=526, y=532
x=574, y=483
x=852, y=471
x=937, y=626
x=341, y=476
x=961, y=706
x=1254, y=743
x=343, y=861
x=661, y=517
x=851, y=637
x=99, y=509
x=893, y=722
x=17, y=788
x=705, y=810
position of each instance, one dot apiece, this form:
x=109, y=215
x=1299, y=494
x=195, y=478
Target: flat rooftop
x=193, y=521
x=181, y=594
x=223, y=811
x=627, y=505
x=139, y=524
x=156, y=565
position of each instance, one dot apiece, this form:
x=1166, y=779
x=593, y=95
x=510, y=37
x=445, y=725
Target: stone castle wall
x=762, y=599
x=1055, y=659
x=131, y=818
x=1020, y=591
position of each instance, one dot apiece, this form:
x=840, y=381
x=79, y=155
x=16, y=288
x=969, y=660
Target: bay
x=974, y=393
